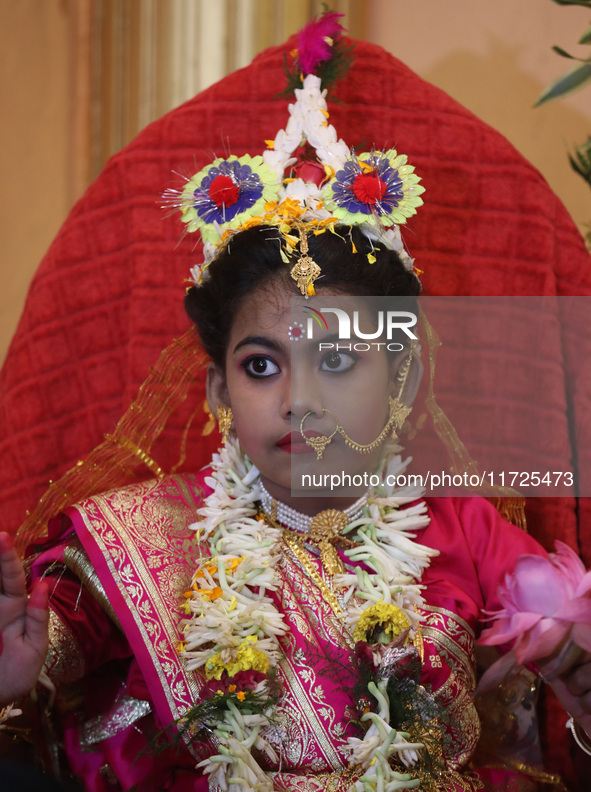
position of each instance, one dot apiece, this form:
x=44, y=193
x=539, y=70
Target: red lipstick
x=294, y=443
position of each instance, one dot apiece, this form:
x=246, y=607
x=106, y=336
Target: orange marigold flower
x=241, y=695
x=251, y=222
x=365, y=166
x=211, y=594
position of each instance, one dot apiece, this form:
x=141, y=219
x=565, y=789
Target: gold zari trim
x=114, y=462
x=532, y=772
x=64, y=661
x=126, y=711
x=129, y=445
x=292, y=540
x=78, y=562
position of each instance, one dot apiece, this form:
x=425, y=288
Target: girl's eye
x=260, y=366
x=338, y=362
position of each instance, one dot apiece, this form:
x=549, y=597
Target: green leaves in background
x=569, y=82
x=581, y=160
x=579, y=75
x=586, y=3
x=574, y=79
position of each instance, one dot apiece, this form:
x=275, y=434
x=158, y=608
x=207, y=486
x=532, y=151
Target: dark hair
x=252, y=259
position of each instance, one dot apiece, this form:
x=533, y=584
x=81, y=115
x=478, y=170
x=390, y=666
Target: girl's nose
x=302, y=396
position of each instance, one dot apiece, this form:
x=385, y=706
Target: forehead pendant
x=305, y=271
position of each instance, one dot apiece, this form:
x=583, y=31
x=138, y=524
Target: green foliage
x=571, y=81
x=576, y=77
x=581, y=160
x=586, y=3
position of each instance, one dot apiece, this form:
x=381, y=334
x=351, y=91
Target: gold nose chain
x=398, y=413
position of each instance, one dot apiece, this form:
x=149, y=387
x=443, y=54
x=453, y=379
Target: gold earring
x=225, y=418
x=399, y=411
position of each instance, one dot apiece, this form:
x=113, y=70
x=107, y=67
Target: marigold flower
x=211, y=594
x=390, y=618
x=247, y=657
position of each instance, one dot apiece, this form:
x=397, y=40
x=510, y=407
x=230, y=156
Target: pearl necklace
x=297, y=521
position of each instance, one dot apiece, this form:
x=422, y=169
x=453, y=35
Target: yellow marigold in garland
x=389, y=618
x=247, y=658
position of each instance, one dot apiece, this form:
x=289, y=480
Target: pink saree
x=134, y=554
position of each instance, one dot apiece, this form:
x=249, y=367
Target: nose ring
x=319, y=443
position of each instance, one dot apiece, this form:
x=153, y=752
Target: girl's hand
x=573, y=689
x=23, y=626
x=569, y=675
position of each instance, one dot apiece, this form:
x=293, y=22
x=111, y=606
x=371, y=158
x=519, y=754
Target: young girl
x=301, y=665
x=296, y=639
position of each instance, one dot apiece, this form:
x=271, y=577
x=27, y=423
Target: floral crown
x=375, y=190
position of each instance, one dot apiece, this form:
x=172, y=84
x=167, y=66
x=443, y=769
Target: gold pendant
x=325, y=531
x=319, y=445
x=400, y=413
x=329, y=558
x=305, y=271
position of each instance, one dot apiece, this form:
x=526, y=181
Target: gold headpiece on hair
x=376, y=190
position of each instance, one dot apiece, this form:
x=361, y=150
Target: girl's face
x=271, y=382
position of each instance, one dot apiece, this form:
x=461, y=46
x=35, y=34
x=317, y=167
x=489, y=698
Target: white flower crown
x=375, y=190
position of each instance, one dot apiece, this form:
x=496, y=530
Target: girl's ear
x=413, y=378
x=216, y=388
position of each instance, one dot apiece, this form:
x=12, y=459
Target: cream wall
x=494, y=56
x=35, y=142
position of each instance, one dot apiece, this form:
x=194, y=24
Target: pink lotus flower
x=547, y=602
x=315, y=41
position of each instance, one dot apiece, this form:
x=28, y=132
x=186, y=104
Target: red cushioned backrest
x=108, y=295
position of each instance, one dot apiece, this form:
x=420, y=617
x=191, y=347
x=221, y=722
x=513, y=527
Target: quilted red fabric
x=108, y=295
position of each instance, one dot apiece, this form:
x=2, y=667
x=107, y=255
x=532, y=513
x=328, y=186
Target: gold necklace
x=325, y=533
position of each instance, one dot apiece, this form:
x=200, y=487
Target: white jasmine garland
x=230, y=612
x=307, y=120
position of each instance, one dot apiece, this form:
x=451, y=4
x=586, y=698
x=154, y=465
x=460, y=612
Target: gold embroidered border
x=463, y=655
x=78, y=562
x=534, y=773
x=142, y=534
x=302, y=689
x=453, y=639
x=300, y=553
x=127, y=710
x=64, y=661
